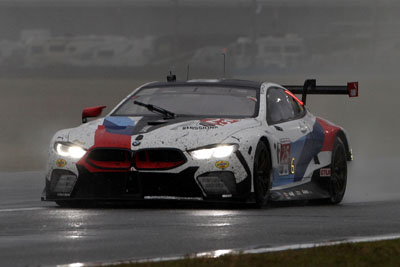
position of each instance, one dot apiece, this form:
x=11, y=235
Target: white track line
x=221, y=252
x=22, y=209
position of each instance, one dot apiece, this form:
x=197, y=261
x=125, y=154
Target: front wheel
x=261, y=175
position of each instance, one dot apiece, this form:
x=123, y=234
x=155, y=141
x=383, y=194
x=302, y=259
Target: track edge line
x=222, y=252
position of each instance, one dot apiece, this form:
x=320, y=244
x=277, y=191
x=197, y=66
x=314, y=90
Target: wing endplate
x=310, y=88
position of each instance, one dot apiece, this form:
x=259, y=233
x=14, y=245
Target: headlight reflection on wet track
x=217, y=224
x=217, y=218
x=75, y=222
x=215, y=213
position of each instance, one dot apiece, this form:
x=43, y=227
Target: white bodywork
x=190, y=135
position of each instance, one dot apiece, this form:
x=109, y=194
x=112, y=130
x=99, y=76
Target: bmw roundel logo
x=136, y=143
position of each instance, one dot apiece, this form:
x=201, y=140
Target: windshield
x=194, y=100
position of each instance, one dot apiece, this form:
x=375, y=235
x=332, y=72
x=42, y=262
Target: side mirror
x=91, y=112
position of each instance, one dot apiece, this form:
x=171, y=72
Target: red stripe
x=102, y=138
x=330, y=132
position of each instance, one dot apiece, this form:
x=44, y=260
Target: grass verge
x=383, y=253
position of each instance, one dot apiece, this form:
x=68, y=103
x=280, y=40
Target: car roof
x=205, y=82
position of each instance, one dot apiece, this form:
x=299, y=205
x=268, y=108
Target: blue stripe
x=119, y=125
x=303, y=150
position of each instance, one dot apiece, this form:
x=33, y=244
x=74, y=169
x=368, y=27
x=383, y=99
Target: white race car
x=203, y=140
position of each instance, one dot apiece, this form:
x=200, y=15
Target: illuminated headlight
x=221, y=151
x=69, y=150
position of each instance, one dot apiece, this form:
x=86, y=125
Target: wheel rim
x=338, y=174
x=262, y=177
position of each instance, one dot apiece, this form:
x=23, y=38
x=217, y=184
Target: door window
x=279, y=106
x=298, y=109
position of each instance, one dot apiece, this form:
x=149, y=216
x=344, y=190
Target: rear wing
x=310, y=88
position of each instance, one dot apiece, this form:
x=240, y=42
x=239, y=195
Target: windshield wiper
x=166, y=114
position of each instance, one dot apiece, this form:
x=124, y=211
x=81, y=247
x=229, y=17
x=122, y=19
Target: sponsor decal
x=284, y=156
x=217, y=122
x=291, y=194
x=206, y=124
x=61, y=163
x=325, y=172
x=222, y=164
x=195, y=126
x=305, y=192
x=199, y=127
x=284, y=153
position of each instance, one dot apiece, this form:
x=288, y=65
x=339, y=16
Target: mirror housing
x=91, y=112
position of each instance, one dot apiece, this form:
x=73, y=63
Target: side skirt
x=306, y=191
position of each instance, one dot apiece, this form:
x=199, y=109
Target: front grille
x=110, y=158
x=159, y=159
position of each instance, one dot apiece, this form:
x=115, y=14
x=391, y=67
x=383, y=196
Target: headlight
x=69, y=150
x=221, y=151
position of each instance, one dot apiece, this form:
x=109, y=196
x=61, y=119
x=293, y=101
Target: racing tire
x=336, y=186
x=262, y=175
x=338, y=180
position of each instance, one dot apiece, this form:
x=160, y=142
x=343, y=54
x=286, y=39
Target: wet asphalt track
x=35, y=233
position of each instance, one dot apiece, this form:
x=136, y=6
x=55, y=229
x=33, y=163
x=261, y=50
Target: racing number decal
x=284, y=156
x=292, y=166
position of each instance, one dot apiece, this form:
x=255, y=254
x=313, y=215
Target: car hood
x=183, y=133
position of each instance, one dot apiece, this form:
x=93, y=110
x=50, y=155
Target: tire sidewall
x=261, y=200
x=337, y=147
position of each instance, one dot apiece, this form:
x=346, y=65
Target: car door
x=285, y=117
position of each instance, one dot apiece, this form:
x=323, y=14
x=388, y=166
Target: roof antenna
x=171, y=77
x=223, y=53
x=187, y=72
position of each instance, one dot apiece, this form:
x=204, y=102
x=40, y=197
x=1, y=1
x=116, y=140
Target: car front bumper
x=187, y=183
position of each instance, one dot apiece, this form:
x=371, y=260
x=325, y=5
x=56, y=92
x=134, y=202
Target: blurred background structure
x=89, y=36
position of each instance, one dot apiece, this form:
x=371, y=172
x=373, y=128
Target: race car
x=203, y=140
